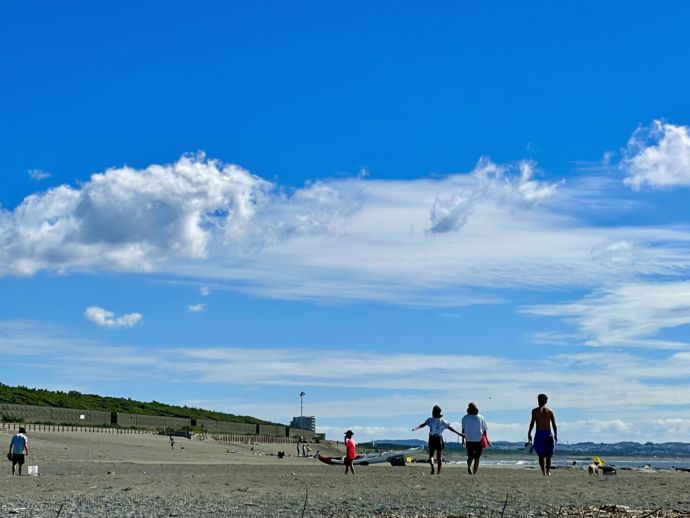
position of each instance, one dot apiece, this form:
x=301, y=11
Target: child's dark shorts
x=435, y=443
x=17, y=458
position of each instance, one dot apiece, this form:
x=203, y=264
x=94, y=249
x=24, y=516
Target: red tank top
x=351, y=448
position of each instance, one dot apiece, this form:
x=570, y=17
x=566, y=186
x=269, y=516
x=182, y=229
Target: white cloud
x=368, y=433
x=447, y=241
x=658, y=156
x=608, y=431
x=104, y=318
x=205, y=291
x=451, y=214
x=617, y=430
x=602, y=387
x=402, y=377
x=39, y=174
x=617, y=252
x=631, y=314
x=129, y=219
x=499, y=184
x=195, y=308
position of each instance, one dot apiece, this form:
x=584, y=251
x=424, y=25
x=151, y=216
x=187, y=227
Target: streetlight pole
x=301, y=403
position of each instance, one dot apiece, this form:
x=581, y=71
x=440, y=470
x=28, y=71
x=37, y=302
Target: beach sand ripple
x=93, y=475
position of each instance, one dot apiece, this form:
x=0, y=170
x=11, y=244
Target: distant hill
x=73, y=399
x=665, y=449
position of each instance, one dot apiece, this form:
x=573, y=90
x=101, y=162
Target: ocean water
x=654, y=463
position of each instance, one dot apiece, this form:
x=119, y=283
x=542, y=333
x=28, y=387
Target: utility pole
x=301, y=403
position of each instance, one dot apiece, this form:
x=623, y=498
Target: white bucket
x=32, y=470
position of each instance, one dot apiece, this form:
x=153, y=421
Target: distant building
x=304, y=423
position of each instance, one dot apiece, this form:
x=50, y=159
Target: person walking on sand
x=350, y=451
x=544, y=442
x=474, y=427
x=172, y=443
x=436, y=425
x=19, y=447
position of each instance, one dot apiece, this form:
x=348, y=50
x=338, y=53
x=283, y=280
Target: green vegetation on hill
x=73, y=399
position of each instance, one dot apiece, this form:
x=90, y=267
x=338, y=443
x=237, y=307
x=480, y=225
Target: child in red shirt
x=350, y=451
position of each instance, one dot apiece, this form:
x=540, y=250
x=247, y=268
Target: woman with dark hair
x=474, y=428
x=436, y=425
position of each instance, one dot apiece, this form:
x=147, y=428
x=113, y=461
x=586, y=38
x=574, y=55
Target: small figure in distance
x=474, y=427
x=172, y=443
x=436, y=425
x=350, y=451
x=19, y=447
x=544, y=442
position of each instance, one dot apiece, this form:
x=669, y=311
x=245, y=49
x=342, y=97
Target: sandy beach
x=91, y=474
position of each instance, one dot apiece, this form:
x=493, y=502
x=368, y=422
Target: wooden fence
x=31, y=427
x=227, y=438
x=252, y=439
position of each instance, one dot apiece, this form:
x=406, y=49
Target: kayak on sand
x=394, y=457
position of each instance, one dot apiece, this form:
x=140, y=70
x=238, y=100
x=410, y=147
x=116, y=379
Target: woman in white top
x=436, y=427
x=473, y=426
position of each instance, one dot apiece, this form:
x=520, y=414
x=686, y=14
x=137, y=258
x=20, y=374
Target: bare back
x=543, y=417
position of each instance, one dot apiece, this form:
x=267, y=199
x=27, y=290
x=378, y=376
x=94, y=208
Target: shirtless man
x=544, y=442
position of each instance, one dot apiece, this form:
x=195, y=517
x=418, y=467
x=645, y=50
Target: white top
x=473, y=426
x=436, y=425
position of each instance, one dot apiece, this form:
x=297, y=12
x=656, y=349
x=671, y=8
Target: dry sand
x=90, y=474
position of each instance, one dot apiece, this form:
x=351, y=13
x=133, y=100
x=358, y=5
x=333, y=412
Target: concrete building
x=304, y=422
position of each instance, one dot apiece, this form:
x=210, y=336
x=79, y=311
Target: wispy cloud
x=39, y=174
x=604, y=430
x=443, y=241
x=628, y=315
x=104, y=318
x=581, y=381
x=196, y=308
x=513, y=184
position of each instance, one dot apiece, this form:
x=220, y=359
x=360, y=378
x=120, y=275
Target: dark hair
x=436, y=411
x=472, y=409
x=542, y=399
x=22, y=429
x=349, y=432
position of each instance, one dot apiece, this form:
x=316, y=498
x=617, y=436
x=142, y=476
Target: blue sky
x=384, y=205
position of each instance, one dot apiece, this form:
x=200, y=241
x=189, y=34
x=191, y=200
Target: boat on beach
x=395, y=458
